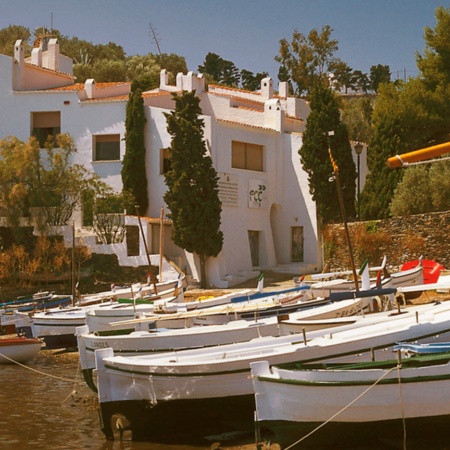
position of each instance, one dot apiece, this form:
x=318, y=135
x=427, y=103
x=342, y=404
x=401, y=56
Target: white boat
x=163, y=340
x=400, y=279
x=401, y=402
x=56, y=327
x=209, y=390
x=19, y=350
x=181, y=314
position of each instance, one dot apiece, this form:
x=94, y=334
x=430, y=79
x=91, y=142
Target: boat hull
x=360, y=403
x=198, y=418
x=223, y=372
x=421, y=434
x=18, y=350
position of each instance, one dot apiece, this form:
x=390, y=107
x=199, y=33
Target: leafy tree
x=341, y=76
x=174, y=64
x=250, y=81
x=219, y=70
x=379, y=74
x=434, y=64
x=108, y=215
x=323, y=118
x=212, y=67
x=308, y=58
x=83, y=72
x=360, y=81
x=44, y=179
x=134, y=175
x=423, y=188
x=192, y=196
x=108, y=70
x=412, y=194
x=357, y=116
x=9, y=36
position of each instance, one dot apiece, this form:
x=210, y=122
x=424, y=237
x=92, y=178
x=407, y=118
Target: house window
x=44, y=125
x=165, y=160
x=106, y=147
x=247, y=156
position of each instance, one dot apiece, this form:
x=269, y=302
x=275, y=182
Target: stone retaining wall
x=401, y=239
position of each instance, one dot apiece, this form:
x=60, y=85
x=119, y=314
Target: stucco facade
x=268, y=216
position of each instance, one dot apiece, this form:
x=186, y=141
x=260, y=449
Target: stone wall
x=401, y=239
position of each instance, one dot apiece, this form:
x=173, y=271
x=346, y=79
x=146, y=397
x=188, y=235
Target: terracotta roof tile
x=155, y=94
x=70, y=87
x=116, y=98
x=233, y=122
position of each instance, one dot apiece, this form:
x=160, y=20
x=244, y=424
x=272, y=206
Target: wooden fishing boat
x=176, y=314
x=209, y=390
x=153, y=341
x=403, y=401
x=18, y=349
x=57, y=327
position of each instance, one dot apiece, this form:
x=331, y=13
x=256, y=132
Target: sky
x=246, y=32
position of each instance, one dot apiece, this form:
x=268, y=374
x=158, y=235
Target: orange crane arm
x=418, y=155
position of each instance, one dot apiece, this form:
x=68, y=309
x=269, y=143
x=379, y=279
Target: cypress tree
x=193, y=195
x=323, y=118
x=134, y=175
x=382, y=181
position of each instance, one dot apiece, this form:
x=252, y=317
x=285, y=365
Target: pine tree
x=134, y=175
x=323, y=118
x=192, y=196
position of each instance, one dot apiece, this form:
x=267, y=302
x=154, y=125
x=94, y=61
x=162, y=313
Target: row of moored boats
x=321, y=358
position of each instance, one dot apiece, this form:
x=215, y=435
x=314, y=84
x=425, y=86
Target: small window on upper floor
x=106, y=147
x=44, y=125
x=165, y=160
x=247, y=156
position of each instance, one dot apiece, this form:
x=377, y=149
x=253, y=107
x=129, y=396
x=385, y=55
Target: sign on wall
x=228, y=189
x=257, y=194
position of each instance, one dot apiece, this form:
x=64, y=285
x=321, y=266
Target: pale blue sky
x=246, y=32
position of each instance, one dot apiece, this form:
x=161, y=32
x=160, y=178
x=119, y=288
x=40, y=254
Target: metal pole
x=73, y=262
x=161, y=244
x=359, y=184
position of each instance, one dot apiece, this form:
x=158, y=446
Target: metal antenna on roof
x=155, y=38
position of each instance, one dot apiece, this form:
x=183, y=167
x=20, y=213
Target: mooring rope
x=343, y=409
x=40, y=372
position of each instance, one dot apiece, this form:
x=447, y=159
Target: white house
x=268, y=216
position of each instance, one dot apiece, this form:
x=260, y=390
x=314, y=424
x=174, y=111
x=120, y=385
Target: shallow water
x=46, y=405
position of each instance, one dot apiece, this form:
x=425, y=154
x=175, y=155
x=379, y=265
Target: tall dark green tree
x=219, y=70
x=324, y=118
x=382, y=181
x=379, y=74
x=134, y=174
x=193, y=195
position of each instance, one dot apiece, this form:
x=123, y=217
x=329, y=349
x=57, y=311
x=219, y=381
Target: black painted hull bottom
x=60, y=341
x=417, y=434
x=178, y=421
